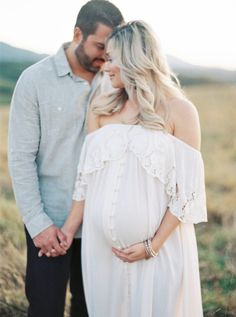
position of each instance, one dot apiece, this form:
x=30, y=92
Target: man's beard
x=85, y=61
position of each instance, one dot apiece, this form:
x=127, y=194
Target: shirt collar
x=61, y=62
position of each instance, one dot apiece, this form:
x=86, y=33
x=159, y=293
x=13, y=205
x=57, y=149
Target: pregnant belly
x=128, y=226
x=124, y=221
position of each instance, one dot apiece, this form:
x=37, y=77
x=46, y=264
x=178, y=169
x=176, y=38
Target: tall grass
x=216, y=239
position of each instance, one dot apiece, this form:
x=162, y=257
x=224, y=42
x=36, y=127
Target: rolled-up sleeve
x=23, y=144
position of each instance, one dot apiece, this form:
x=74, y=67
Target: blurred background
x=198, y=39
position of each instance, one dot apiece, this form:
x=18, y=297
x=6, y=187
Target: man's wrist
x=38, y=224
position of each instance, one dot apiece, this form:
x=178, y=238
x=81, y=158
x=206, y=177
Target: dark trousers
x=46, y=282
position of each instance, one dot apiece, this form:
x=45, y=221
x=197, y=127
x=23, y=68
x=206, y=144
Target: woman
x=140, y=188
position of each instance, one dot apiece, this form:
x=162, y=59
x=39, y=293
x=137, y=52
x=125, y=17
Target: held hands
x=53, y=241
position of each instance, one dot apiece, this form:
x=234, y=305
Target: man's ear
x=78, y=35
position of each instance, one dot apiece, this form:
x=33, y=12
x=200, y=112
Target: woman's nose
x=106, y=66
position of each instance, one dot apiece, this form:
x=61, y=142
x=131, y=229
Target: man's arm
x=24, y=139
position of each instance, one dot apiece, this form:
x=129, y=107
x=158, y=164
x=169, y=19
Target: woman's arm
x=168, y=225
x=185, y=122
x=137, y=252
x=73, y=221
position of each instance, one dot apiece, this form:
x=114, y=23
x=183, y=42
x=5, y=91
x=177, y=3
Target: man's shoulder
x=34, y=71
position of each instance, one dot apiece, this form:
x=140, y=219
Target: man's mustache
x=99, y=60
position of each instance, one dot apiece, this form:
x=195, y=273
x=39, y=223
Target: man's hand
x=51, y=241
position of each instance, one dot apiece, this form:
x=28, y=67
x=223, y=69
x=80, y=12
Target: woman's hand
x=69, y=238
x=132, y=254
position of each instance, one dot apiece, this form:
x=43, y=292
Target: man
x=46, y=132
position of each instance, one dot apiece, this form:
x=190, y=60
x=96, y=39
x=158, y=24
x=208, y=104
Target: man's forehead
x=102, y=31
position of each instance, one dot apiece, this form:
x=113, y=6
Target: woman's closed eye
x=108, y=59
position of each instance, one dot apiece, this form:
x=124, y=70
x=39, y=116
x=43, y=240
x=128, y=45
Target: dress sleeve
x=188, y=199
x=80, y=188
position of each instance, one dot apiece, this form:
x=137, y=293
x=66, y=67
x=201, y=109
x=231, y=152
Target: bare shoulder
x=184, y=121
x=180, y=107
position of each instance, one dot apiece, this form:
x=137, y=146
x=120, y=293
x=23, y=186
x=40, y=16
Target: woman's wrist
x=150, y=252
x=155, y=242
x=69, y=229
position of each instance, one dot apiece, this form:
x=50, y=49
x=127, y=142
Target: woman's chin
x=116, y=85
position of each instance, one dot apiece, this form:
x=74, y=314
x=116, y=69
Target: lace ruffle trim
x=153, y=155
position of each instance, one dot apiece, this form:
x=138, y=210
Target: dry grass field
x=216, y=239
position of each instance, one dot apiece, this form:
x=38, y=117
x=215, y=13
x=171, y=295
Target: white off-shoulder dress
x=128, y=177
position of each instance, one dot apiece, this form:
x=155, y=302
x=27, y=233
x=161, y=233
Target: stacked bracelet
x=149, y=250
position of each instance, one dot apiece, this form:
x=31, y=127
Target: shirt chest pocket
x=60, y=119
x=55, y=119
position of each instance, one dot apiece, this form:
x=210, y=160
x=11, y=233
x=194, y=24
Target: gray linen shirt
x=46, y=132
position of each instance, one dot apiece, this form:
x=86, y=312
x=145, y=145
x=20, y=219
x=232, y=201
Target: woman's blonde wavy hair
x=147, y=78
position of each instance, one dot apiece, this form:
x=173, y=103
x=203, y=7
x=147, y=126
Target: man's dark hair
x=95, y=12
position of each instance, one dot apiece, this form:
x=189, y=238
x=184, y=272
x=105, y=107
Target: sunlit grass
x=217, y=110
x=216, y=239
